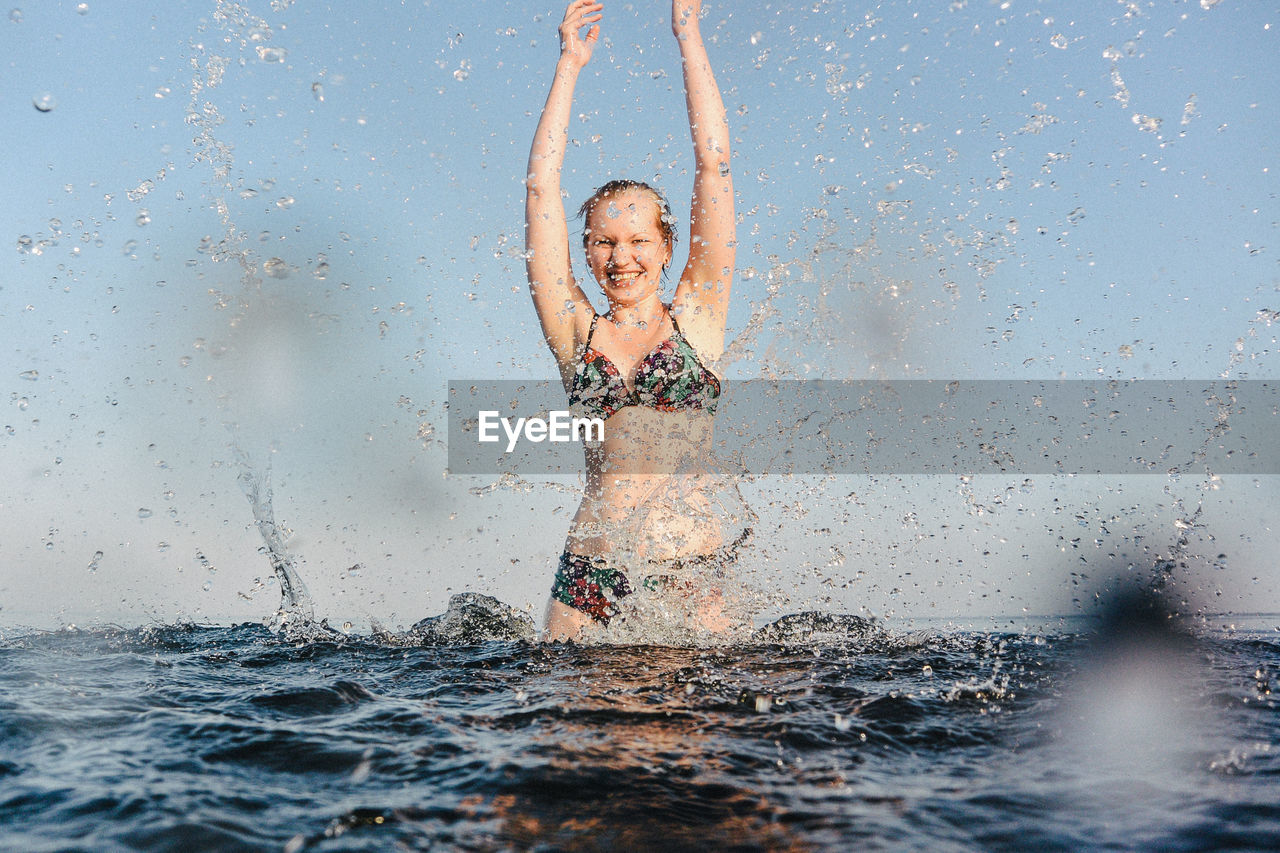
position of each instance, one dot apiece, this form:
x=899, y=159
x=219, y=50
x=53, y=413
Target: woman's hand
x=684, y=16
x=574, y=47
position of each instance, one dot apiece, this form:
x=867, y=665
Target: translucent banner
x=903, y=427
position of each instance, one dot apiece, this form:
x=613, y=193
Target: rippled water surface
x=186, y=738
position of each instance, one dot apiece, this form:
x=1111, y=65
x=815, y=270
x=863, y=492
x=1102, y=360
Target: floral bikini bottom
x=592, y=586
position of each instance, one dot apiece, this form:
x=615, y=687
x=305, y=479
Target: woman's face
x=626, y=249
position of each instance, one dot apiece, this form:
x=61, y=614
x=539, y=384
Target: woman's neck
x=642, y=315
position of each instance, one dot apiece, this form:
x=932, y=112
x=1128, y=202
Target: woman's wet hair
x=666, y=219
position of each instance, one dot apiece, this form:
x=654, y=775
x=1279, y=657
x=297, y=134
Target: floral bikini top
x=671, y=378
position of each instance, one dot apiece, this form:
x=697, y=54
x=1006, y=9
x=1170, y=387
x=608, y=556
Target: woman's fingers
x=579, y=14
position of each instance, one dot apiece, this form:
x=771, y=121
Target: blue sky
x=965, y=190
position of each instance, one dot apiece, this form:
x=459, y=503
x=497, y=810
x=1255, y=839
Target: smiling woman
x=646, y=523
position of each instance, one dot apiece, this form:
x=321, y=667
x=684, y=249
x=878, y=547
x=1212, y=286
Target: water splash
x=203, y=115
x=296, y=612
x=1222, y=403
x=471, y=619
x=819, y=629
x=475, y=619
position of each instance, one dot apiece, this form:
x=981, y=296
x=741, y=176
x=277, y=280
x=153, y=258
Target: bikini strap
x=676, y=326
x=595, y=318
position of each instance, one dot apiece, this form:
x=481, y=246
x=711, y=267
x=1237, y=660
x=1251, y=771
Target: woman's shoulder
x=701, y=326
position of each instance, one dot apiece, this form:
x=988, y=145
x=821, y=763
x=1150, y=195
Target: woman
x=647, y=523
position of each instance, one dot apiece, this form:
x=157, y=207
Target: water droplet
x=322, y=269
x=1149, y=124
x=95, y=562
x=926, y=670
x=763, y=704
x=143, y=217
x=163, y=92
x=276, y=268
x=317, y=91
x=1059, y=41
x=29, y=375
x=285, y=203
x=44, y=102
x=1189, y=110
x=82, y=8
x=272, y=54
x=15, y=15
x=141, y=190
x=207, y=585
x=130, y=246
x=143, y=512
x=24, y=244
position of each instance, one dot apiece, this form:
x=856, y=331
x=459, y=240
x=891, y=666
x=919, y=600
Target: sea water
x=1068, y=735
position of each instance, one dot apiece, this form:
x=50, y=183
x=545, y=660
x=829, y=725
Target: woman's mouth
x=623, y=278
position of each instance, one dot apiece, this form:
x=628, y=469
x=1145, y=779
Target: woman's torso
x=646, y=490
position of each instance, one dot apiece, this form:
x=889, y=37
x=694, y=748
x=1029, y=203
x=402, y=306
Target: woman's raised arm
x=546, y=231
x=703, y=292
